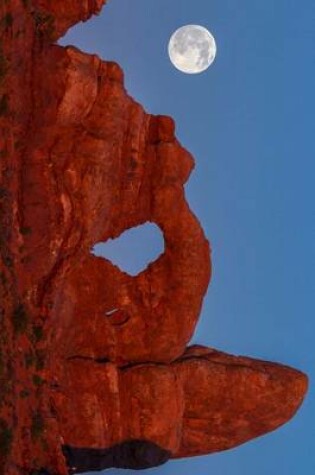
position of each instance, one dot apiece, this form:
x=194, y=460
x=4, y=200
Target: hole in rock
x=134, y=249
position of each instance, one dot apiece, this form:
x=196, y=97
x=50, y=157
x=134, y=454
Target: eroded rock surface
x=94, y=367
x=203, y=402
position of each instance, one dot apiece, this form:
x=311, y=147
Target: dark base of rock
x=133, y=454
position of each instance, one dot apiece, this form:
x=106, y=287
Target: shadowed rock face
x=92, y=359
x=133, y=454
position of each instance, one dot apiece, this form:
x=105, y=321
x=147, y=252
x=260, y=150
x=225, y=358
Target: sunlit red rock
x=93, y=365
x=200, y=403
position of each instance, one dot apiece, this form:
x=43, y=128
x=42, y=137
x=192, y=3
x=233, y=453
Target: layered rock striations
x=94, y=366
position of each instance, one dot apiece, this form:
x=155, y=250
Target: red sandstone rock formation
x=202, y=402
x=94, y=368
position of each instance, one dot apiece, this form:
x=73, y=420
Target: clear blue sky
x=249, y=122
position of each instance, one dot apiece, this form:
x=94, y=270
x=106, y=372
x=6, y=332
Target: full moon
x=192, y=49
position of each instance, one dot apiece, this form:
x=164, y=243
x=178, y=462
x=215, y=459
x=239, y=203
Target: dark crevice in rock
x=147, y=364
x=132, y=454
x=102, y=360
x=88, y=358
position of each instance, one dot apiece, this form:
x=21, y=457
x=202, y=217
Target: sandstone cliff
x=94, y=367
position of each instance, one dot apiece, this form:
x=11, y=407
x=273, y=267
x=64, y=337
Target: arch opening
x=134, y=249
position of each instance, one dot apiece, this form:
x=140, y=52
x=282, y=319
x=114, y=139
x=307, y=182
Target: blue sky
x=248, y=121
